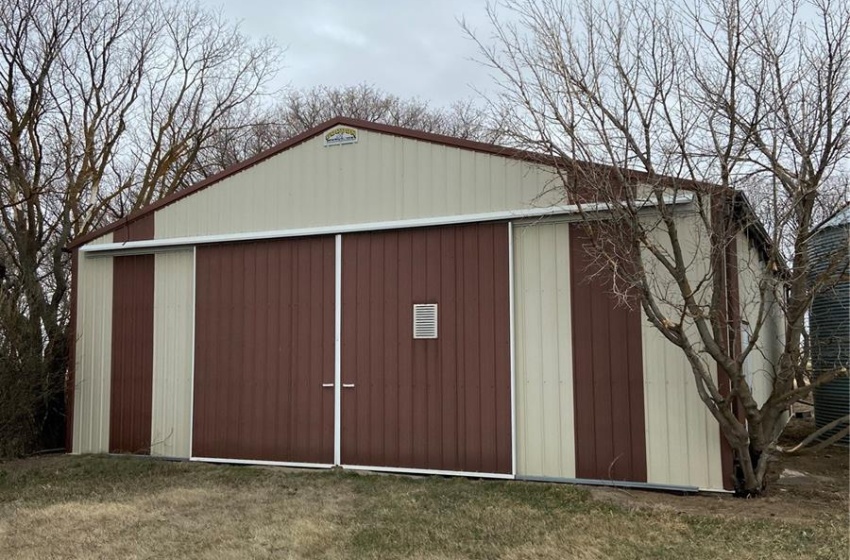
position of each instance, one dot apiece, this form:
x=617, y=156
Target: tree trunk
x=750, y=471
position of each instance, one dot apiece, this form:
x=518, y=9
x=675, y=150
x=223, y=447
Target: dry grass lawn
x=117, y=507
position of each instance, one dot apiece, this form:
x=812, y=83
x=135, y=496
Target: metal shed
x=271, y=315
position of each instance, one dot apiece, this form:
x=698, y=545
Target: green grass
x=90, y=507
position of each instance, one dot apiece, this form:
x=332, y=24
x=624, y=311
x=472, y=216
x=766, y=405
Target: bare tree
x=643, y=102
x=302, y=109
x=307, y=108
x=106, y=105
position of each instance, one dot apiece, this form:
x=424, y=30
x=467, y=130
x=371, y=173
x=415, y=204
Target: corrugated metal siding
x=682, y=438
x=264, y=344
x=730, y=310
x=93, y=353
x=431, y=404
x=760, y=363
x=381, y=178
x=132, y=354
x=173, y=318
x=102, y=240
x=607, y=364
x=544, y=360
x=830, y=328
x=136, y=230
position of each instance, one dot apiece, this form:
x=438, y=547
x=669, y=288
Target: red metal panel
x=608, y=373
x=264, y=345
x=439, y=404
x=132, y=355
x=729, y=313
x=137, y=230
x=733, y=304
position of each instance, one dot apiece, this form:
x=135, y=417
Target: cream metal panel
x=759, y=365
x=380, y=178
x=93, y=353
x=102, y=240
x=173, y=319
x=544, y=361
x=682, y=438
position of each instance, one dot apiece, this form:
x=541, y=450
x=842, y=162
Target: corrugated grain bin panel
x=93, y=353
x=264, y=345
x=174, y=318
x=544, y=360
x=608, y=369
x=830, y=318
x=132, y=354
x=380, y=178
x=441, y=404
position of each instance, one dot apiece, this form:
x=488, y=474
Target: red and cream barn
x=378, y=298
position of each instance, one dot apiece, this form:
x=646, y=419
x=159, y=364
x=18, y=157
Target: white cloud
x=411, y=49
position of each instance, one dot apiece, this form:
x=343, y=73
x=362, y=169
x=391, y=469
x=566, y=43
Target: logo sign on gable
x=341, y=135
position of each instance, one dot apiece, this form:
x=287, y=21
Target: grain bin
x=830, y=317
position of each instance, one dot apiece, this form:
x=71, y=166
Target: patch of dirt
x=802, y=488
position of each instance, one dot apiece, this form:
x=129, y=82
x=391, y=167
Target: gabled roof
x=303, y=137
x=450, y=141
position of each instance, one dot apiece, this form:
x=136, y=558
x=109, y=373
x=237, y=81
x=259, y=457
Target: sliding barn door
x=264, y=351
x=427, y=403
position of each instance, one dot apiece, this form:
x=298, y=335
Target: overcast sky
x=406, y=47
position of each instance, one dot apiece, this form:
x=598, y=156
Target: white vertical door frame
x=338, y=351
x=512, y=320
x=153, y=366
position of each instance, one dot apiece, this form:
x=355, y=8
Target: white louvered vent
x=424, y=320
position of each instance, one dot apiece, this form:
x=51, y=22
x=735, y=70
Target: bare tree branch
x=643, y=100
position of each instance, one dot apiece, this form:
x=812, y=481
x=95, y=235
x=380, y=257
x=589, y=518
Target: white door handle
x=348, y=385
x=327, y=384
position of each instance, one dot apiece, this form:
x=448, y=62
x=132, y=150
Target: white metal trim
x=153, y=367
x=512, y=328
x=261, y=463
x=155, y=245
x=611, y=483
x=338, y=350
x=192, y=359
x=404, y=470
